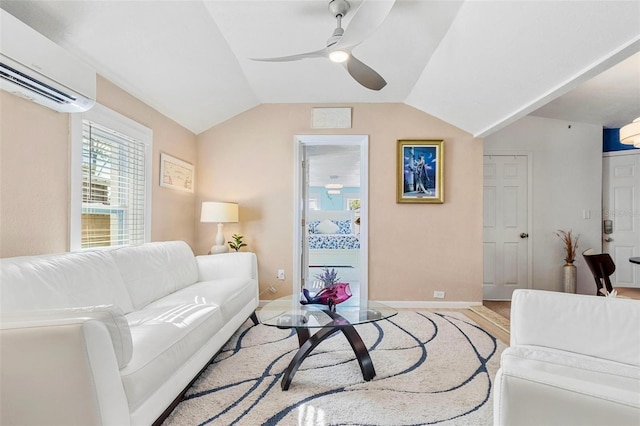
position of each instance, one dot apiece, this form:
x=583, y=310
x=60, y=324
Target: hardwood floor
x=491, y=327
x=500, y=307
x=631, y=293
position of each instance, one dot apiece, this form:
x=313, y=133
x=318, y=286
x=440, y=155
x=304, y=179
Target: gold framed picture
x=420, y=171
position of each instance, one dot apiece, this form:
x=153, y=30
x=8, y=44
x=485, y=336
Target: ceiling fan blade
x=322, y=53
x=364, y=74
x=366, y=20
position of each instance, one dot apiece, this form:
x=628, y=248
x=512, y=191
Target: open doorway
x=330, y=212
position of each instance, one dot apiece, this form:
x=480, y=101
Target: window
x=353, y=203
x=111, y=177
x=313, y=204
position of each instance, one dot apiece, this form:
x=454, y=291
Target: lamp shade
x=213, y=211
x=630, y=134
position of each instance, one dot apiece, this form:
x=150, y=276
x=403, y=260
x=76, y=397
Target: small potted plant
x=237, y=243
x=328, y=277
x=333, y=293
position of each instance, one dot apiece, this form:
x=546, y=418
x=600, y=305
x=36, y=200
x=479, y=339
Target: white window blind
x=113, y=187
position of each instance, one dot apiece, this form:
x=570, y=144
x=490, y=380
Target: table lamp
x=221, y=213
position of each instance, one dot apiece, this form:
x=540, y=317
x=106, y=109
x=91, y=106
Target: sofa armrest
x=111, y=316
x=59, y=371
x=602, y=327
x=227, y=265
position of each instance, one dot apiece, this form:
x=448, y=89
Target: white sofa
x=573, y=360
x=112, y=337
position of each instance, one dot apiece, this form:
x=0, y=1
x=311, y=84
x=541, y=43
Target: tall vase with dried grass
x=569, y=272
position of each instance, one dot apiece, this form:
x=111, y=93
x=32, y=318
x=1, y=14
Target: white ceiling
x=611, y=99
x=478, y=65
x=338, y=164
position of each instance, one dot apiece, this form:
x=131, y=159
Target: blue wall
x=611, y=141
x=333, y=202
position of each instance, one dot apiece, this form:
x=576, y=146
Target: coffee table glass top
x=288, y=312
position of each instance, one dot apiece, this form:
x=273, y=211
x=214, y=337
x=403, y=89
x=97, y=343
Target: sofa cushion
x=230, y=294
x=596, y=377
x=164, y=338
x=66, y=280
x=151, y=271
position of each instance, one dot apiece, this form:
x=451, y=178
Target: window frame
x=119, y=123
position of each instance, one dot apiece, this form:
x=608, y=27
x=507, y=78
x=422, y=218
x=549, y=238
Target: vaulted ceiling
x=478, y=65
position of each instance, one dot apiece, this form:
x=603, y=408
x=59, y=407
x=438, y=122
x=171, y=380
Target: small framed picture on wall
x=175, y=173
x=420, y=171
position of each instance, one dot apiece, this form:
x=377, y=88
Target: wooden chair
x=602, y=267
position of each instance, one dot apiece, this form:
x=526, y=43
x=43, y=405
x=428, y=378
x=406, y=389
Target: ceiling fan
x=339, y=47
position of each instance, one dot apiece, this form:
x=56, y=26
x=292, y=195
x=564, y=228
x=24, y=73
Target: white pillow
x=327, y=227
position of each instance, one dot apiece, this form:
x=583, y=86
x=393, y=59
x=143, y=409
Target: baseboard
x=429, y=304
x=417, y=304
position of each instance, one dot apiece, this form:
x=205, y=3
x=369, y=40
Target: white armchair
x=573, y=360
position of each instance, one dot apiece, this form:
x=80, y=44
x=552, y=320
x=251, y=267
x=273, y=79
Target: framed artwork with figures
x=175, y=173
x=420, y=171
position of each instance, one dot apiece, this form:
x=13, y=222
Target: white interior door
x=506, y=226
x=621, y=213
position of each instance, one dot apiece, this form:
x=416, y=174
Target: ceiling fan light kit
x=334, y=185
x=339, y=46
x=630, y=134
x=338, y=56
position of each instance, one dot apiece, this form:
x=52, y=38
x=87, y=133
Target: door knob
x=524, y=235
x=608, y=239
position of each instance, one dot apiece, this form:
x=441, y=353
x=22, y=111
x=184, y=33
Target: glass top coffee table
x=287, y=312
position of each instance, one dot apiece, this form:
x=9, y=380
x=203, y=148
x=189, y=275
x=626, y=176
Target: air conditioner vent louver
x=34, y=67
x=23, y=80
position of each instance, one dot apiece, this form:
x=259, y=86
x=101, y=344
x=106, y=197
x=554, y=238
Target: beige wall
x=34, y=173
x=34, y=178
x=413, y=249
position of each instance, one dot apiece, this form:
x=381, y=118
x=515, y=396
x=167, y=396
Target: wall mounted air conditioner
x=34, y=67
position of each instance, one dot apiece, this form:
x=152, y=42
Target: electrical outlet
x=438, y=294
x=272, y=289
x=280, y=275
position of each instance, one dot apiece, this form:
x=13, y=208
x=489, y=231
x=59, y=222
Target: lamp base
x=219, y=246
x=219, y=249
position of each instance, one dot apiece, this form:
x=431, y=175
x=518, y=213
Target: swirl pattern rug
x=432, y=368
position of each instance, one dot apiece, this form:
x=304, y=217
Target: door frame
x=363, y=142
x=605, y=155
x=529, y=155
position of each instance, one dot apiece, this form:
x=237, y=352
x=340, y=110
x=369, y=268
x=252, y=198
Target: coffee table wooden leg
x=362, y=354
x=303, y=335
x=309, y=344
x=303, y=352
x=358, y=346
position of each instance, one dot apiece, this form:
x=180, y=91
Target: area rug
x=432, y=368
